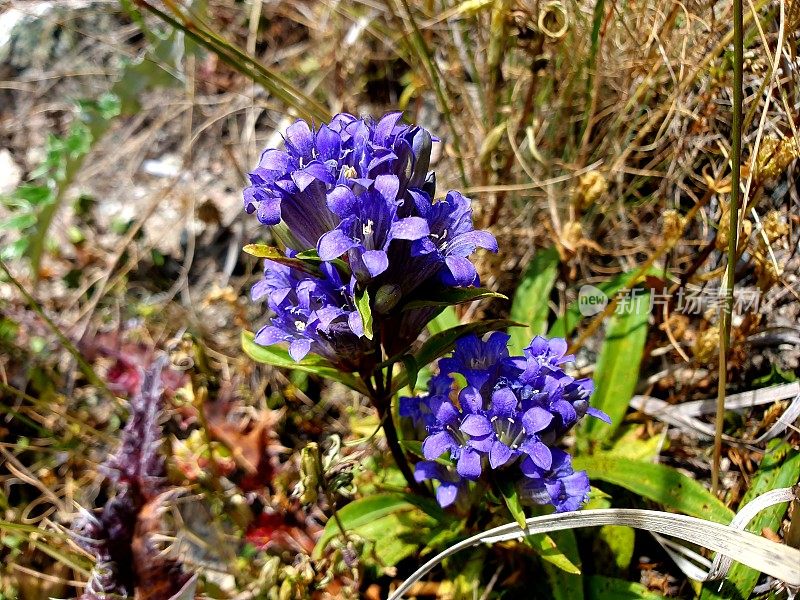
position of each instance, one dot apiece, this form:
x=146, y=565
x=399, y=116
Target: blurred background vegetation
x=594, y=137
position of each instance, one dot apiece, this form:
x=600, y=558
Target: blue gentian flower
x=369, y=224
x=451, y=239
x=509, y=416
x=446, y=433
x=358, y=193
x=507, y=431
x=451, y=485
x=559, y=485
x=311, y=313
x=293, y=185
x=417, y=408
x=477, y=360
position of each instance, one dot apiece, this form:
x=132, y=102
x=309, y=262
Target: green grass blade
x=656, y=482
x=779, y=468
x=530, y=305
x=618, y=367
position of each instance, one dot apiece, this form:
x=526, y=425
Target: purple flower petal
x=428, y=469
x=446, y=494
x=328, y=143
x=465, y=244
x=504, y=402
x=333, y=244
x=274, y=160
x=599, y=414
x=356, y=323
x=315, y=171
x=376, y=261
x=540, y=454
x=269, y=335
x=446, y=413
x=437, y=444
x=536, y=419
x=476, y=425
x=469, y=464
x=461, y=270
x=565, y=410
x=558, y=347
x=411, y=228
x=299, y=348
x=299, y=138
x=341, y=200
x=384, y=127
x=499, y=454
x=388, y=186
x=470, y=399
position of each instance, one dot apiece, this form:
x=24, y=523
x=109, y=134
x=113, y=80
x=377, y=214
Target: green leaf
x=18, y=222
x=628, y=443
x=779, y=468
x=109, y=106
x=607, y=588
x=564, y=585
x=611, y=545
x=274, y=254
x=614, y=548
x=617, y=370
x=412, y=371
x=446, y=319
x=396, y=525
x=453, y=296
x=15, y=249
x=415, y=447
x=541, y=543
x=362, y=304
x=656, y=482
x=468, y=574
x=279, y=357
x=307, y=262
x=440, y=344
x=530, y=304
x=547, y=549
x=35, y=195
x=510, y=496
x=568, y=322
x=79, y=140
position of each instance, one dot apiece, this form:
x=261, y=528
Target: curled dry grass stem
x=730, y=541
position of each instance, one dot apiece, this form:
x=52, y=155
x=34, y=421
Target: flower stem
x=397, y=451
x=381, y=397
x=733, y=228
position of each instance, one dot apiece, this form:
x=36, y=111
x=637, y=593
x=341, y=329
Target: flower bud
x=387, y=297
x=421, y=143
x=310, y=473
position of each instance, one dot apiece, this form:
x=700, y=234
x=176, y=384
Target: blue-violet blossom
x=509, y=416
x=357, y=192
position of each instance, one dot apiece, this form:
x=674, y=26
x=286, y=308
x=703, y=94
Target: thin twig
x=733, y=225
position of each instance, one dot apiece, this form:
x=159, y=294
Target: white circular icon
x=591, y=300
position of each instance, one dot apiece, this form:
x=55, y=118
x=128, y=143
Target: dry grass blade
x=683, y=416
x=769, y=557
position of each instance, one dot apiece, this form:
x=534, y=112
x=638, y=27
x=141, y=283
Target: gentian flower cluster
x=508, y=416
x=359, y=195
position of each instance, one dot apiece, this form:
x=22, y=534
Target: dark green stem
x=381, y=398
